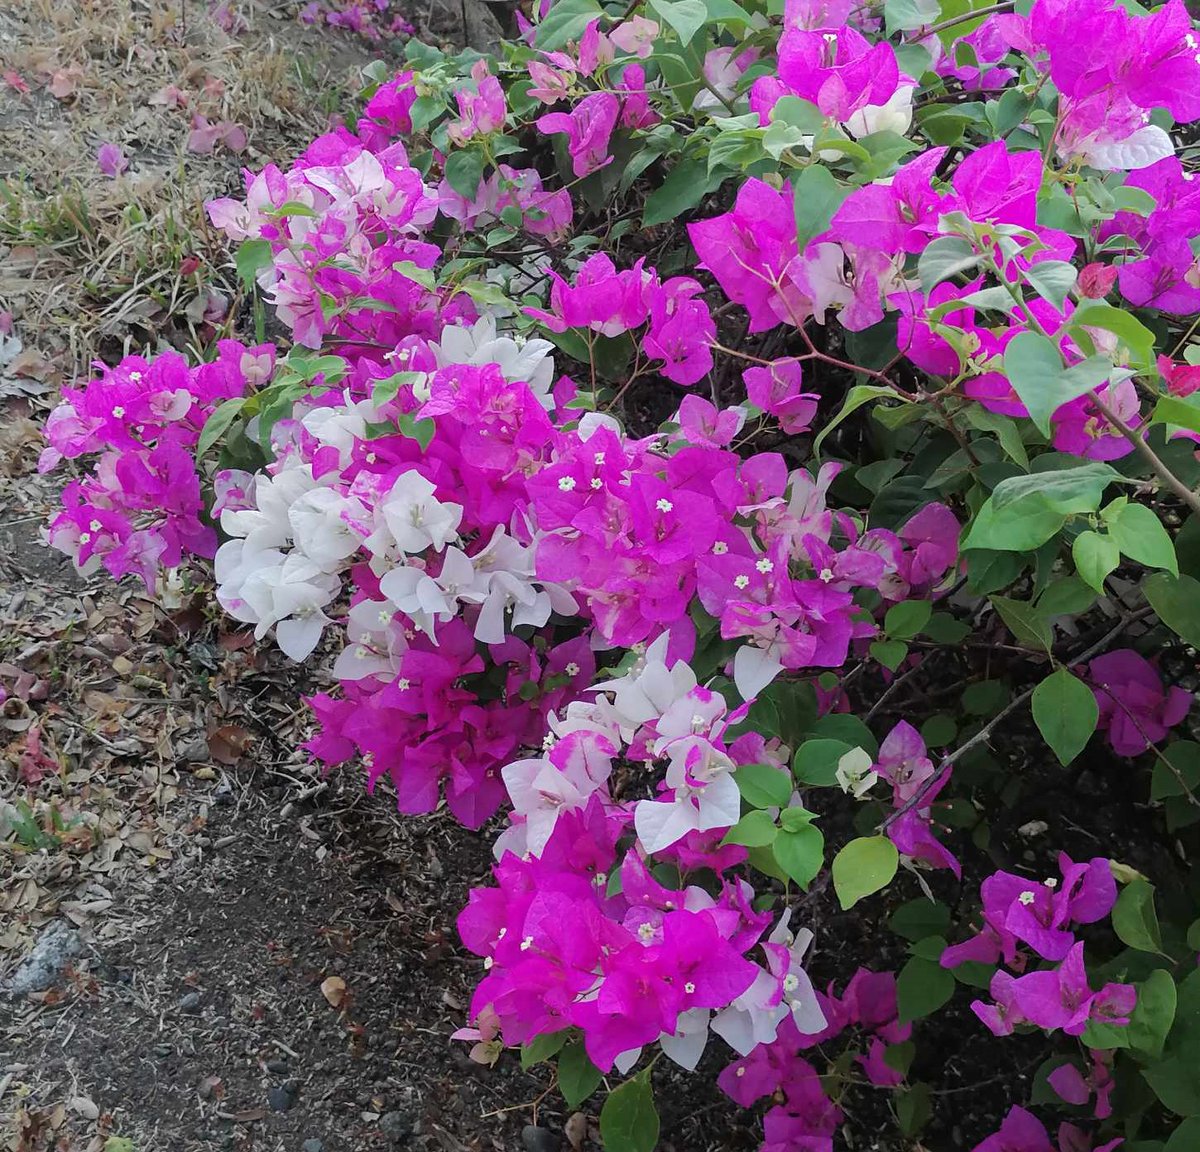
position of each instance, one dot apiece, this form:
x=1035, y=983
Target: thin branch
x=951, y=758
x=1147, y=453
x=934, y=29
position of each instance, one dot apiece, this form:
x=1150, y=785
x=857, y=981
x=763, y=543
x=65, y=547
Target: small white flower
x=566, y=484
x=720, y=548
x=764, y=565
x=664, y=505
x=741, y=581
x=855, y=773
x=1026, y=898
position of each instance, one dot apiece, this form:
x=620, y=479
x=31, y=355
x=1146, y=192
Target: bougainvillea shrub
x=745, y=447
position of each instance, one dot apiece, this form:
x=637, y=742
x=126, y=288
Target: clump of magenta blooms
x=944, y=262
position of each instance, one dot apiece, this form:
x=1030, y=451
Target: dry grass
x=91, y=265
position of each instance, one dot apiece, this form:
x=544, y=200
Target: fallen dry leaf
x=333, y=988
x=83, y=1106
x=228, y=743
x=575, y=1129
x=64, y=83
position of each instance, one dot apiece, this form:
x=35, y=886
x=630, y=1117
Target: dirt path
x=236, y=954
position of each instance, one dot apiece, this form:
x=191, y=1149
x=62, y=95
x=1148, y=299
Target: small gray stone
x=279, y=1067
x=195, y=751
x=281, y=1097
x=312, y=1145
x=190, y=1001
x=57, y=944
x=395, y=1126
x=538, y=1139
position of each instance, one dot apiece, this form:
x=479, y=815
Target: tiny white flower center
x=741, y=581
x=566, y=484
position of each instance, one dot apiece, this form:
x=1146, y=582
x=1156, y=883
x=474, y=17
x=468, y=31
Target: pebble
x=279, y=1067
x=281, y=1097
x=190, y=1001
x=312, y=1145
x=395, y=1126
x=538, y=1139
x=57, y=944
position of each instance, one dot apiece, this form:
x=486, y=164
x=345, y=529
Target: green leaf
x=816, y=761
x=908, y=15
x=1132, y=335
x=1176, y=599
x=1034, y=367
x=859, y=395
x=628, y=1120
x=889, y=653
x=686, y=17
x=1140, y=535
x=1024, y=512
x=904, y=620
x=920, y=918
x=756, y=829
x=218, y=423
x=1184, y=757
x=847, y=728
x=1066, y=714
x=943, y=258
x=1024, y=621
x=541, y=1048
x=1052, y=280
x=1178, y=413
x=945, y=629
x=922, y=987
x=685, y=186
x=565, y=21
x=800, y=852
x=578, y=1077
x=1005, y=429
x=1134, y=919
x=386, y=389
x=862, y=867
x=1066, y=596
x=1065, y=490
x=1185, y=1138
x=419, y=430
x=1154, y=1013
x=763, y=785
x=914, y=1108
x=817, y=197
x=727, y=12
x=1095, y=558
x=252, y=256
x=1176, y=1084
x=464, y=167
